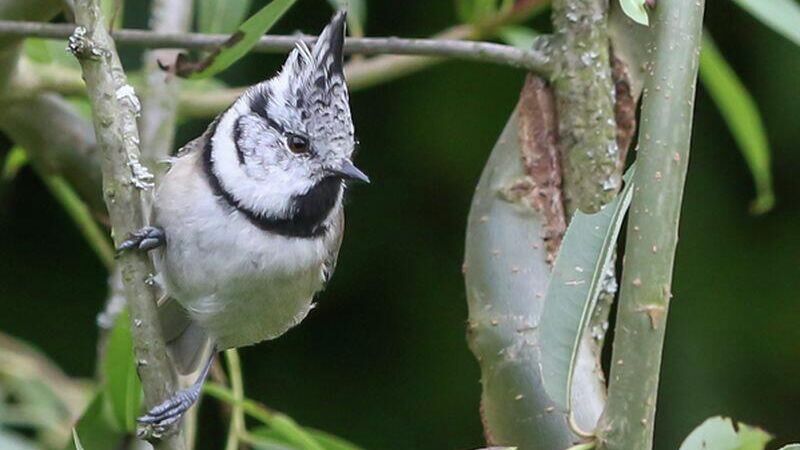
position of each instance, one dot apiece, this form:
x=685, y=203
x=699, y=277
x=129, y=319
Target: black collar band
x=309, y=211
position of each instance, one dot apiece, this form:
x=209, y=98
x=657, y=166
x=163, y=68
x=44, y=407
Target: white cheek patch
x=269, y=194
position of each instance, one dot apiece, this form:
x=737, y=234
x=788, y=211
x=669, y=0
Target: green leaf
x=587, y=248
x=112, y=10
x=221, y=16
x=739, y=111
x=518, y=36
x=331, y=442
x=47, y=51
x=474, y=11
x=239, y=43
x=122, y=385
x=636, y=10
x=791, y=447
x=356, y=14
x=82, y=216
x=720, y=433
x=783, y=16
x=16, y=159
x=286, y=428
x=96, y=428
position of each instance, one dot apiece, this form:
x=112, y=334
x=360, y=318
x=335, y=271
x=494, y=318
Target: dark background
x=383, y=361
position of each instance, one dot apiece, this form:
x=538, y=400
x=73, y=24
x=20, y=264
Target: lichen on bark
x=585, y=103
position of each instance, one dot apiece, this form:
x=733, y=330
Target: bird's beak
x=348, y=171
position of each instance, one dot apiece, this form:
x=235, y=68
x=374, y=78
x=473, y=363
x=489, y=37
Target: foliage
x=586, y=251
x=237, y=46
x=721, y=433
x=636, y=10
x=741, y=114
x=114, y=405
x=783, y=16
x=221, y=16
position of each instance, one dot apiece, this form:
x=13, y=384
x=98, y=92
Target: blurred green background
x=383, y=361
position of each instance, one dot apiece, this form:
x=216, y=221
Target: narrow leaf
x=739, y=111
x=331, y=442
x=82, y=216
x=122, y=384
x=356, y=14
x=76, y=440
x=237, y=45
x=221, y=16
x=95, y=428
x=519, y=36
x=574, y=286
x=636, y=10
x=16, y=159
x=720, y=433
x=783, y=16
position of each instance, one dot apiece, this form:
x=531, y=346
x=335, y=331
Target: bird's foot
x=161, y=419
x=144, y=239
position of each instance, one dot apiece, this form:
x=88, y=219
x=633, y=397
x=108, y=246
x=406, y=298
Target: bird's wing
x=187, y=343
x=334, y=242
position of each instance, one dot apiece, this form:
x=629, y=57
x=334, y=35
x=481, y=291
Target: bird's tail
x=188, y=345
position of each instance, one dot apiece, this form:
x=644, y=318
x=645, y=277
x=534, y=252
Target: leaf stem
x=664, y=140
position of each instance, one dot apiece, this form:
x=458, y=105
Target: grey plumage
x=252, y=213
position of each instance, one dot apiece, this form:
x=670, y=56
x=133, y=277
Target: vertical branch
x=585, y=95
x=161, y=89
x=664, y=140
x=114, y=107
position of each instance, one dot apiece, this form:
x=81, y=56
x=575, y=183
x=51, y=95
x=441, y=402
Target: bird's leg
x=144, y=239
x=160, y=418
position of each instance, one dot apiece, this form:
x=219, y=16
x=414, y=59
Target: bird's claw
x=144, y=239
x=160, y=420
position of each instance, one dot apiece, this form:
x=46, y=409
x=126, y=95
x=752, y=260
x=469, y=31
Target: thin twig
x=536, y=61
x=160, y=93
x=114, y=107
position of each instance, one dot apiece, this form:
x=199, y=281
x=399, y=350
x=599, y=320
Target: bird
x=247, y=222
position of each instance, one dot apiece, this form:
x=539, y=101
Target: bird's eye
x=297, y=144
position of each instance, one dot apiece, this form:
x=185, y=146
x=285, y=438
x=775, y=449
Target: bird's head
x=291, y=136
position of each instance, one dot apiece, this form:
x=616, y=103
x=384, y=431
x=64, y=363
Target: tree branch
x=664, y=140
x=160, y=94
x=585, y=96
x=114, y=107
x=534, y=61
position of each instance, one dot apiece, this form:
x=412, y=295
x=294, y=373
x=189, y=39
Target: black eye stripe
x=237, y=135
